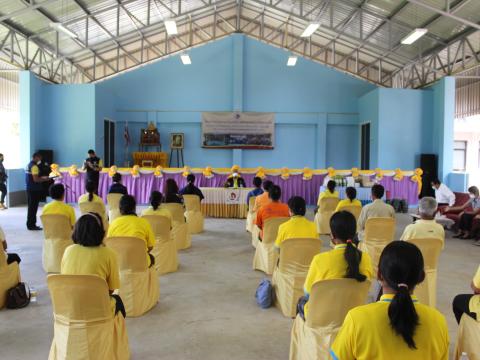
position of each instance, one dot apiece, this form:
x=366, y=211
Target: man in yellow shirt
x=129, y=224
x=468, y=303
x=263, y=199
x=426, y=227
x=298, y=226
x=57, y=206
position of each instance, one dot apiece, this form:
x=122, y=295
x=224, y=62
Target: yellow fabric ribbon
x=207, y=172
x=398, y=175
x=379, y=173
x=73, y=171
x=355, y=172
x=55, y=171
x=186, y=171
x=158, y=172
x=135, y=171
x=260, y=173
x=418, y=178
x=307, y=174
x=112, y=171
x=284, y=173
x=331, y=172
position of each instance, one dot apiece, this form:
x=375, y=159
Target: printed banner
x=238, y=130
x=232, y=196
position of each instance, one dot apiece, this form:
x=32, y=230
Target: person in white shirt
x=466, y=216
x=443, y=194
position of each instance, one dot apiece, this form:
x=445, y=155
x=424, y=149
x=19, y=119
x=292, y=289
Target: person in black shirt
x=92, y=165
x=171, y=192
x=117, y=187
x=191, y=189
x=235, y=181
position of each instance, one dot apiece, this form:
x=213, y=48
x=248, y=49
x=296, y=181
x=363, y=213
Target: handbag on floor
x=264, y=294
x=18, y=296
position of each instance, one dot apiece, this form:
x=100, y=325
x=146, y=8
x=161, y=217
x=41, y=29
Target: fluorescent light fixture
x=292, y=60
x=171, y=27
x=311, y=28
x=414, y=36
x=185, y=59
x=60, y=27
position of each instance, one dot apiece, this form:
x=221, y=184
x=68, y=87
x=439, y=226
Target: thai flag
x=126, y=135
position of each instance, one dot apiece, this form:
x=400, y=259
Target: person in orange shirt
x=263, y=199
x=275, y=208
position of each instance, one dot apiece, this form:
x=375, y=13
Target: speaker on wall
x=47, y=156
x=429, y=165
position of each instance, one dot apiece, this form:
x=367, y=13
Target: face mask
x=434, y=188
x=39, y=162
x=471, y=196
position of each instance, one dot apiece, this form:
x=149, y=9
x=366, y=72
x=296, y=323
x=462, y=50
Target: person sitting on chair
x=275, y=208
x=263, y=199
x=57, y=205
x=130, y=225
x=344, y=261
x=468, y=303
x=88, y=256
x=191, y=189
x=117, y=187
x=466, y=217
x=156, y=198
x=351, y=199
x=298, y=227
x=257, y=183
x=172, y=193
x=11, y=257
x=235, y=181
x=329, y=192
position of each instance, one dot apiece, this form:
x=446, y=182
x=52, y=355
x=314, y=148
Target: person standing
x=93, y=166
x=34, y=183
x=3, y=184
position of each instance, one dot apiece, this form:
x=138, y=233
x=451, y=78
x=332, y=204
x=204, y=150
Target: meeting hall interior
x=240, y=179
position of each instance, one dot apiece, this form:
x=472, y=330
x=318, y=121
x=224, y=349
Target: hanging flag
x=126, y=135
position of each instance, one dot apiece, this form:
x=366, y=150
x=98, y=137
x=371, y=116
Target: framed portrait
x=176, y=140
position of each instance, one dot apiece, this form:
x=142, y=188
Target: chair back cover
x=468, y=338
x=92, y=206
x=130, y=252
x=56, y=226
x=177, y=211
x=296, y=255
x=270, y=229
x=354, y=210
x=57, y=230
x=251, y=204
x=192, y=202
x=113, y=201
x=344, y=293
x=9, y=277
x=161, y=227
x=379, y=232
x=326, y=209
x=328, y=204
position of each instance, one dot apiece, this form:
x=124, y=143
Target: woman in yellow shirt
x=88, y=256
x=468, y=303
x=344, y=261
x=330, y=192
x=351, y=200
x=156, y=198
x=90, y=197
x=397, y=327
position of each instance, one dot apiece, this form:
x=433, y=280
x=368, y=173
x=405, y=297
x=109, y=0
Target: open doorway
x=109, y=142
x=365, y=146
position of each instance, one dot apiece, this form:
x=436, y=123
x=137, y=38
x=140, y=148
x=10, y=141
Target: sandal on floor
x=465, y=237
x=477, y=243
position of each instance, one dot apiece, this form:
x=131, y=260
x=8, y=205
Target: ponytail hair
x=155, y=199
x=401, y=267
x=90, y=188
x=343, y=226
x=351, y=193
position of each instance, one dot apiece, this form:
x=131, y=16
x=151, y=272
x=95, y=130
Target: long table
x=225, y=203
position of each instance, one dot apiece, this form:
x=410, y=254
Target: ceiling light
x=171, y=27
x=185, y=59
x=60, y=27
x=414, y=36
x=311, y=28
x=292, y=60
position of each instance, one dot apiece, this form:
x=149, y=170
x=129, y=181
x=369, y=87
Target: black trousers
x=94, y=177
x=119, y=307
x=152, y=259
x=466, y=222
x=460, y=306
x=301, y=306
x=33, y=199
x=3, y=190
x=11, y=258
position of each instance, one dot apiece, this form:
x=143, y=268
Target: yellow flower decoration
x=158, y=172
x=55, y=171
x=398, y=175
x=207, y=172
x=331, y=172
x=235, y=168
x=135, y=171
x=355, y=172
x=112, y=171
x=307, y=174
x=417, y=177
x=379, y=173
x=73, y=171
x=284, y=173
x=260, y=173
x=186, y=171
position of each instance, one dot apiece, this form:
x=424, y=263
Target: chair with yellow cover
x=468, y=338
x=354, y=210
x=85, y=326
x=95, y=207
x=57, y=230
x=9, y=277
x=180, y=231
x=113, y=201
x=325, y=211
x=266, y=256
x=139, y=287
x=379, y=232
x=312, y=338
x=427, y=290
x=255, y=235
x=251, y=215
x=193, y=214
x=165, y=249
x=289, y=275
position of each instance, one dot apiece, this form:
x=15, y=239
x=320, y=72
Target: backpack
x=265, y=294
x=18, y=296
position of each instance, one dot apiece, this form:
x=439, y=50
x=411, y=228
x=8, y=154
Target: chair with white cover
x=312, y=338
x=251, y=215
x=85, y=326
x=468, y=338
x=255, y=235
x=325, y=211
x=165, y=249
x=426, y=291
x=139, y=287
x=57, y=231
x=9, y=277
x=379, y=232
x=266, y=256
x=193, y=214
x=289, y=275
x=113, y=201
x=180, y=231
x=95, y=207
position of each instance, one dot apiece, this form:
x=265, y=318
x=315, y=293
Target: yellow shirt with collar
x=96, y=199
x=297, y=227
x=366, y=334
x=332, y=265
x=133, y=226
x=159, y=212
x=424, y=229
x=56, y=207
x=474, y=304
x=347, y=202
x=327, y=194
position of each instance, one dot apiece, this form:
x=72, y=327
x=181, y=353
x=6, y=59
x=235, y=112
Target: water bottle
x=33, y=295
x=464, y=356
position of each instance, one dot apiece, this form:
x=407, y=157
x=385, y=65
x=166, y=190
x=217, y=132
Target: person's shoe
x=3, y=207
x=35, y=228
x=477, y=243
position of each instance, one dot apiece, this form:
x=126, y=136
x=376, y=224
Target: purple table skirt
x=142, y=186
